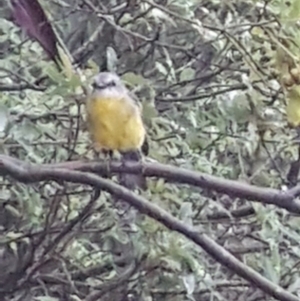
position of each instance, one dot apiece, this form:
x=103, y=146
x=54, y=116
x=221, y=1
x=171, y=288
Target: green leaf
x=112, y=59
x=187, y=74
x=45, y=298
x=161, y=68
x=3, y=117
x=134, y=79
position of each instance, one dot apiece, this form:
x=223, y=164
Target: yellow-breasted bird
x=115, y=122
x=114, y=119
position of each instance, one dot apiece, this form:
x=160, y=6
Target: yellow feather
x=115, y=123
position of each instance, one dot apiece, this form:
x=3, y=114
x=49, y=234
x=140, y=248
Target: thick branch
x=36, y=173
x=282, y=199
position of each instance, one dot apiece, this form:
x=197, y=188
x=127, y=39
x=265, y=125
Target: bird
x=114, y=122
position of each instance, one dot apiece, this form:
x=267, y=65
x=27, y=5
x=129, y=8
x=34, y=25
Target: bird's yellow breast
x=115, y=123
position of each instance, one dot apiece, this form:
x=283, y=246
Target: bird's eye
x=112, y=83
x=100, y=86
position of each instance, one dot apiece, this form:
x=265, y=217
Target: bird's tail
x=132, y=181
x=126, y=214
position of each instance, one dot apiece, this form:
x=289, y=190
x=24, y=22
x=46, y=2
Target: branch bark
x=35, y=173
x=282, y=199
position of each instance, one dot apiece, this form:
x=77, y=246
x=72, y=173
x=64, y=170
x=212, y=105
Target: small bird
x=115, y=122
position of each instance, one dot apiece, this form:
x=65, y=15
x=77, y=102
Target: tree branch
x=282, y=199
x=35, y=173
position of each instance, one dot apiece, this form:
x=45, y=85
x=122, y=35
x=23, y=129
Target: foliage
x=206, y=75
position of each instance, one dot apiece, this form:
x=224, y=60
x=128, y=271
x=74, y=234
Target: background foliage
x=206, y=75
